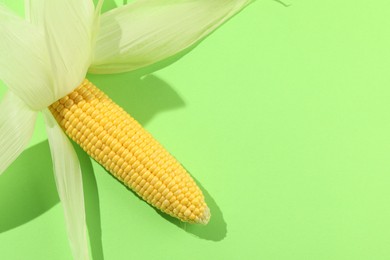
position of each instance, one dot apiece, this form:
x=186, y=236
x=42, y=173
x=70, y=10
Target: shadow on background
x=282, y=3
x=107, y=5
x=142, y=97
x=27, y=187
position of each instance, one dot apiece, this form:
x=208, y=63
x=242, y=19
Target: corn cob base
x=125, y=149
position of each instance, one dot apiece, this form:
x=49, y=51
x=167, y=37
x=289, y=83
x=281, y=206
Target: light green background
x=282, y=115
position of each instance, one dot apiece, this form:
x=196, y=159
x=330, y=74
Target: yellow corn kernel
x=119, y=143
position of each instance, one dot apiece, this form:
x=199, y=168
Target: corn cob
x=125, y=149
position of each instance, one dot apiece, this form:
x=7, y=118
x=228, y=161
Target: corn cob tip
x=205, y=217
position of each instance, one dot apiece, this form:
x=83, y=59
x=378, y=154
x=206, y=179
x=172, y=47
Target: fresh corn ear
x=120, y=144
